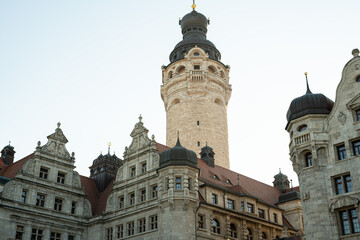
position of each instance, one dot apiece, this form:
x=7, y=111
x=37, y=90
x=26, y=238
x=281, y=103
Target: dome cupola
x=194, y=29
x=178, y=156
x=309, y=103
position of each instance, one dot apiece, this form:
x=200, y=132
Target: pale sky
x=95, y=66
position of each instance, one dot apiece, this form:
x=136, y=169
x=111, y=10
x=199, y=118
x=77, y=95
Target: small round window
x=358, y=78
x=302, y=128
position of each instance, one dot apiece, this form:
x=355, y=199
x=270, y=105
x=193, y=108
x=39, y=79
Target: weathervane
x=109, y=144
x=307, y=84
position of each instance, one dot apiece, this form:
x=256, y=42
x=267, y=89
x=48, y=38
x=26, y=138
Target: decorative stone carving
x=56, y=145
x=29, y=166
x=155, y=159
x=76, y=182
x=342, y=118
x=343, y=201
x=87, y=208
x=306, y=196
x=9, y=190
x=110, y=205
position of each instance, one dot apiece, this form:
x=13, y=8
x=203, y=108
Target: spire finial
x=58, y=124
x=109, y=144
x=291, y=184
x=140, y=118
x=178, y=139
x=279, y=170
x=194, y=5
x=307, y=85
x=9, y=143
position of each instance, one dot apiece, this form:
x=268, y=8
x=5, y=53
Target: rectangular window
x=58, y=204
x=341, y=152
x=242, y=206
x=143, y=195
x=43, y=173
x=143, y=167
x=198, y=123
x=356, y=147
x=349, y=221
x=214, y=198
x=230, y=204
x=198, y=144
x=19, y=232
x=358, y=115
x=201, y=221
x=153, y=222
x=167, y=183
x=121, y=202
x=142, y=225
x=71, y=237
x=261, y=213
x=130, y=228
x=109, y=233
x=61, y=177
x=40, y=200
x=24, y=194
x=178, y=183
x=73, y=207
x=154, y=191
x=36, y=234
x=131, y=199
x=55, y=236
x=120, y=231
x=275, y=217
x=343, y=184
x=132, y=171
x=196, y=67
x=250, y=208
x=189, y=183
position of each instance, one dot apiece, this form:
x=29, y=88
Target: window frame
x=19, y=233
x=178, y=183
x=130, y=228
x=201, y=221
x=142, y=195
x=341, y=152
x=40, y=200
x=141, y=225
x=214, y=198
x=154, y=191
x=153, y=223
x=36, y=233
x=58, y=204
x=275, y=217
x=308, y=159
x=73, y=207
x=133, y=171
x=342, y=184
x=61, y=179
x=132, y=199
x=120, y=231
x=215, y=226
x=233, y=230
x=261, y=213
x=24, y=196
x=250, y=207
x=143, y=167
x=351, y=228
x=44, y=172
x=109, y=233
x=55, y=236
x=121, y=202
x=356, y=147
x=231, y=204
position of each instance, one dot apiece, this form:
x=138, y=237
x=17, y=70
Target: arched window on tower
x=263, y=235
x=308, y=160
x=233, y=232
x=215, y=226
x=170, y=75
x=250, y=236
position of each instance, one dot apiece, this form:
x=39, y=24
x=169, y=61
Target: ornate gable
x=140, y=139
x=354, y=103
x=56, y=145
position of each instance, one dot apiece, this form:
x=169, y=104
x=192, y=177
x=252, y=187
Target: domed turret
x=281, y=181
x=194, y=29
x=309, y=103
x=178, y=156
x=207, y=154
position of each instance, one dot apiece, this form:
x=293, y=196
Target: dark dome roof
x=289, y=196
x=309, y=103
x=194, y=19
x=194, y=29
x=178, y=156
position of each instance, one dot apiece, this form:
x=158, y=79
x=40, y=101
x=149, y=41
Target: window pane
x=341, y=152
x=348, y=184
x=345, y=222
x=338, y=186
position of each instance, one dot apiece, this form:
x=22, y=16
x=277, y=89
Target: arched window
x=211, y=69
x=250, y=236
x=263, y=235
x=170, y=75
x=308, y=160
x=302, y=128
x=175, y=101
x=222, y=74
x=215, y=227
x=181, y=69
x=358, y=78
x=233, y=232
x=218, y=101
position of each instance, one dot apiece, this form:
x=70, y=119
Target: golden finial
x=305, y=73
x=194, y=5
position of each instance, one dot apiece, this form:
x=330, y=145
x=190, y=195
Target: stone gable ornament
x=342, y=118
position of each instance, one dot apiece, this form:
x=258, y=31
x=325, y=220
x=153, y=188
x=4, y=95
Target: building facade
x=154, y=191
x=324, y=150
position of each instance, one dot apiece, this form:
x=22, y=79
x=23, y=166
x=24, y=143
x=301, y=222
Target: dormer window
x=308, y=160
x=216, y=177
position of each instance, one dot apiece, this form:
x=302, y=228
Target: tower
x=196, y=91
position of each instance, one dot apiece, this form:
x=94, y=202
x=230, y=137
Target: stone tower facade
x=325, y=150
x=196, y=91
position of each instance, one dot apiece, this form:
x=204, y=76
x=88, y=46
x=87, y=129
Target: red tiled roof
x=11, y=170
x=102, y=199
x=161, y=148
x=91, y=191
x=249, y=186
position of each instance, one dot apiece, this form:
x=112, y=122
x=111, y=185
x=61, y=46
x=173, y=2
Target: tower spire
x=193, y=5
x=307, y=85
